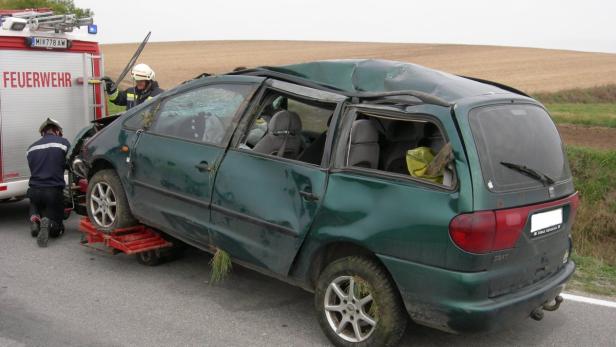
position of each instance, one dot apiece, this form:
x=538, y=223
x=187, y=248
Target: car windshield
x=518, y=146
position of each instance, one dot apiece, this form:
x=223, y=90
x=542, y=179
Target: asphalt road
x=70, y=295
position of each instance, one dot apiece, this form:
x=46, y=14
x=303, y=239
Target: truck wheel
x=106, y=202
x=150, y=258
x=358, y=305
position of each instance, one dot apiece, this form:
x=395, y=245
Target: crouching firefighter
x=145, y=87
x=47, y=161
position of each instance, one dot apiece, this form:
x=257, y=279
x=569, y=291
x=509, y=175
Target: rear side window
x=513, y=138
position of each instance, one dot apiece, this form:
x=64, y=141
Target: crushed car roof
x=372, y=75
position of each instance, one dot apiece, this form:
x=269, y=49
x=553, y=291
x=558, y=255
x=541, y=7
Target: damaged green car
x=390, y=190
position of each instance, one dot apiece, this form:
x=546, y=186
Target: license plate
x=546, y=222
x=48, y=42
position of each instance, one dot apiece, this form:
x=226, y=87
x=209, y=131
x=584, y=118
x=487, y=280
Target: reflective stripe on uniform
x=130, y=97
x=47, y=145
x=114, y=95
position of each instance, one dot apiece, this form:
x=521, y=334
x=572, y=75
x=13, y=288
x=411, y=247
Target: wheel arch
x=99, y=164
x=326, y=253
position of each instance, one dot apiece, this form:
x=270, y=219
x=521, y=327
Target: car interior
x=290, y=127
x=296, y=129
x=414, y=148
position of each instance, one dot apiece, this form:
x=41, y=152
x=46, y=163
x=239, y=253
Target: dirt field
x=595, y=137
x=528, y=69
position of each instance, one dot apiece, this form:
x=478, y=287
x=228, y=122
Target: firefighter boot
x=35, y=225
x=56, y=229
x=43, y=235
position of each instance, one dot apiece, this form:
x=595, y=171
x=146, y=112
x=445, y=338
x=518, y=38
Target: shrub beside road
x=594, y=171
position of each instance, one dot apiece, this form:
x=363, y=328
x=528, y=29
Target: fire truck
x=47, y=65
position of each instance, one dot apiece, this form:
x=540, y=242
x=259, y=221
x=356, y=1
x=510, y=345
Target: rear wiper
x=543, y=178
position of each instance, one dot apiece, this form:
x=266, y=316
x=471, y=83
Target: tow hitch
x=537, y=313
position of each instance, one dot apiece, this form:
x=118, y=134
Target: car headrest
x=362, y=131
x=285, y=122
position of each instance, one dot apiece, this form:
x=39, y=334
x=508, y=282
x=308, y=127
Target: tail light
x=474, y=232
x=489, y=231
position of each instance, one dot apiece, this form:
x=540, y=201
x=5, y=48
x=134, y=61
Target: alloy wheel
x=103, y=204
x=348, y=305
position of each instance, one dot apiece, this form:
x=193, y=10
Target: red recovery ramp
x=131, y=240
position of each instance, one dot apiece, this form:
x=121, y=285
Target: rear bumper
x=13, y=189
x=457, y=302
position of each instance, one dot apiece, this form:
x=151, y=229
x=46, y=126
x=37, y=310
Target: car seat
x=283, y=136
x=364, y=145
x=401, y=136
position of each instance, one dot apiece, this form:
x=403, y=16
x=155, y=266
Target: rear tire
x=373, y=315
x=106, y=202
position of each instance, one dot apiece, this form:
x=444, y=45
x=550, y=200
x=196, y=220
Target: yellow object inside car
x=417, y=161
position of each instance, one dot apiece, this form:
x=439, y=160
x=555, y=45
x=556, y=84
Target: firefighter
x=47, y=161
x=145, y=88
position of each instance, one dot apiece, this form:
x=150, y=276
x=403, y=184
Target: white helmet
x=142, y=72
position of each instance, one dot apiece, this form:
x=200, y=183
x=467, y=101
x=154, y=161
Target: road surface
x=70, y=295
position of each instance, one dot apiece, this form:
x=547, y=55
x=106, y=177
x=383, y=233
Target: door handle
x=308, y=196
x=203, y=166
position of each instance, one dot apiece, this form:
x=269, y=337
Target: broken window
x=290, y=127
x=411, y=148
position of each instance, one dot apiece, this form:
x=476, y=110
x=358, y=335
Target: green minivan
x=390, y=190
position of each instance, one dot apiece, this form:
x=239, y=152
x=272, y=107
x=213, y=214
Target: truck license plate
x=48, y=42
x=546, y=222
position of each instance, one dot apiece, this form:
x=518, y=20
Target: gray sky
x=587, y=25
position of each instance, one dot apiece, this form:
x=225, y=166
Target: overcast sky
x=587, y=25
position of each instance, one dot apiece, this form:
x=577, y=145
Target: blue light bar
x=92, y=29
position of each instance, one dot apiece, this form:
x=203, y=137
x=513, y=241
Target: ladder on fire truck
x=48, y=21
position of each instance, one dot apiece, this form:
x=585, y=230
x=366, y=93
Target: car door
x=174, y=161
x=263, y=205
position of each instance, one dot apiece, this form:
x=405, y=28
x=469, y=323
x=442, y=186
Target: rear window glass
x=521, y=135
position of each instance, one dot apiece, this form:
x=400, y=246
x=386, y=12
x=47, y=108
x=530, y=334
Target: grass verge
x=594, y=95
x=603, y=115
x=594, y=232
x=593, y=276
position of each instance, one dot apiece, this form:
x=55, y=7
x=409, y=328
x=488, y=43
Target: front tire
x=358, y=305
x=106, y=202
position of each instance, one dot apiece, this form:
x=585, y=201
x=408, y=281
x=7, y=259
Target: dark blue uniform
x=47, y=161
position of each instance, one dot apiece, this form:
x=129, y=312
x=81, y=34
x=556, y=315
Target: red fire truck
x=46, y=64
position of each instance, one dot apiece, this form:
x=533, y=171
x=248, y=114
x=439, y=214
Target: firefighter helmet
x=142, y=72
x=49, y=121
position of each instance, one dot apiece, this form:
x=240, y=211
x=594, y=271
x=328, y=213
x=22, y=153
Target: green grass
x=594, y=95
x=593, y=276
x=594, y=106
x=585, y=114
x=594, y=175
x=594, y=232
x=113, y=108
